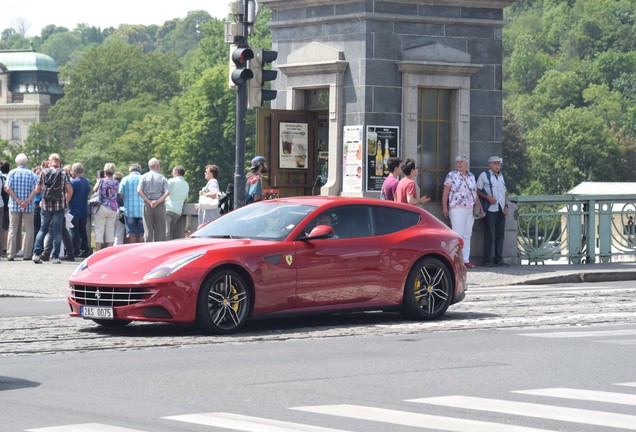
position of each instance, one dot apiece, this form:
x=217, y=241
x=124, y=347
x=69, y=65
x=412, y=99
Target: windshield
x=263, y=220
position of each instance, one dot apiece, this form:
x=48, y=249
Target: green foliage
x=572, y=146
x=570, y=87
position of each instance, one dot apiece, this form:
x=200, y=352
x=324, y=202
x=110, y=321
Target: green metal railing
x=576, y=228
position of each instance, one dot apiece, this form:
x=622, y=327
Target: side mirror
x=320, y=232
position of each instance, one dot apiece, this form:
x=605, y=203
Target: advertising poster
x=381, y=144
x=352, y=160
x=293, y=145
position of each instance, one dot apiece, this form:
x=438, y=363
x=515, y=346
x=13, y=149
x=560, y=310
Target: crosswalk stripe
x=588, y=395
x=582, y=333
x=630, y=384
x=424, y=421
x=575, y=415
x=247, y=423
x=85, y=427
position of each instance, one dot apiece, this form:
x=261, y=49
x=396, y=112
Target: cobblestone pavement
x=483, y=308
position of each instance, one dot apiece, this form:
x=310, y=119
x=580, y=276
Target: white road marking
x=247, y=423
x=582, y=333
x=405, y=418
x=630, y=384
x=574, y=415
x=85, y=427
x=587, y=395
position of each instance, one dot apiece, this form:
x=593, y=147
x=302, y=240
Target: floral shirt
x=462, y=189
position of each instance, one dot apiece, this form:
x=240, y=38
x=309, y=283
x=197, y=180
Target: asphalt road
x=508, y=358
x=573, y=378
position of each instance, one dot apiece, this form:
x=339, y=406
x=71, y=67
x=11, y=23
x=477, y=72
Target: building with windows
x=29, y=86
x=414, y=79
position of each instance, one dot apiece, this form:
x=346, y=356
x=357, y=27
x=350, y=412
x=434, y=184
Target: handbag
x=478, y=210
x=94, y=203
x=207, y=203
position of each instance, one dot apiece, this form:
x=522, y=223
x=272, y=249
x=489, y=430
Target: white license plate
x=93, y=312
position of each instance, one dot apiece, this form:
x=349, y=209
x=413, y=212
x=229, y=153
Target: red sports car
x=304, y=254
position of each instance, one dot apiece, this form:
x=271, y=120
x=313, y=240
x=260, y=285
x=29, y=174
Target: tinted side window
x=352, y=221
x=389, y=220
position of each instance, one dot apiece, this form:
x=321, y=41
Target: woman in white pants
x=458, y=199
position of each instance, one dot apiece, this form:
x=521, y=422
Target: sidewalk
x=550, y=274
x=25, y=279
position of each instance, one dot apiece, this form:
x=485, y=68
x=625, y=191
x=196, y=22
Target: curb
x=602, y=276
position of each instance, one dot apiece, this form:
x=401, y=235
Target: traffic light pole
x=241, y=113
x=239, y=167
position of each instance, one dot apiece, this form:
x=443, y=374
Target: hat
x=494, y=159
x=258, y=160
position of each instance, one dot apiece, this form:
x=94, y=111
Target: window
x=390, y=220
x=15, y=130
x=352, y=221
x=433, y=140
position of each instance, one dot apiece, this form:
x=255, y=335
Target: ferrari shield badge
x=289, y=259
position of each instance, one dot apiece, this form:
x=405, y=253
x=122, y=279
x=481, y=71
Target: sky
x=103, y=14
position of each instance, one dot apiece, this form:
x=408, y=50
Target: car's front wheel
x=428, y=291
x=224, y=302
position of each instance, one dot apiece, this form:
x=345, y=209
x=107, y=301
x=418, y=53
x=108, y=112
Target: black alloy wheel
x=428, y=291
x=224, y=303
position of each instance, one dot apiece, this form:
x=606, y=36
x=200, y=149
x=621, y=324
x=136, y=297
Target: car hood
x=141, y=258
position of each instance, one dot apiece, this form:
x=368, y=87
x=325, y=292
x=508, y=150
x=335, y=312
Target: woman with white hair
x=458, y=199
x=106, y=216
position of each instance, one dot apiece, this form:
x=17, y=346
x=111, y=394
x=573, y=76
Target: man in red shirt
x=406, y=191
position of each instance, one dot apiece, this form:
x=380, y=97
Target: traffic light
x=239, y=58
x=257, y=93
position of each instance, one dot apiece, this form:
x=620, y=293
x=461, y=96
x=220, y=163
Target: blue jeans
x=79, y=238
x=54, y=219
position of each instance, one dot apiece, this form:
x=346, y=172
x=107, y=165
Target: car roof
x=321, y=201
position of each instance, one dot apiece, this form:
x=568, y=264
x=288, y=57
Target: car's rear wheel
x=224, y=302
x=428, y=291
x=112, y=323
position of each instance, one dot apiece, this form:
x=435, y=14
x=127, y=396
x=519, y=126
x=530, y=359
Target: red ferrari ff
x=303, y=254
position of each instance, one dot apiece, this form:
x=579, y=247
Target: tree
x=515, y=155
x=62, y=47
x=572, y=146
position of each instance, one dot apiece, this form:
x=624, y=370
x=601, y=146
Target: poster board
x=352, y=138
x=382, y=143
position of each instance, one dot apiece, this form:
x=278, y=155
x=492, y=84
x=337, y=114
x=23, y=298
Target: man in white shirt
x=492, y=187
x=179, y=189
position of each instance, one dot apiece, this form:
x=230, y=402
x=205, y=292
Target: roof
x=27, y=60
x=604, y=188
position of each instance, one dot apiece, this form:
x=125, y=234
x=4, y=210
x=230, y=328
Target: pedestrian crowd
x=464, y=199
x=50, y=204
x=45, y=211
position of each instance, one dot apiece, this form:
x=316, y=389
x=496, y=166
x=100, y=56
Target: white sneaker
x=36, y=259
x=19, y=254
x=56, y=261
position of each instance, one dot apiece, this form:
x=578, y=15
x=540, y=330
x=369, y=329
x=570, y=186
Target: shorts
x=134, y=226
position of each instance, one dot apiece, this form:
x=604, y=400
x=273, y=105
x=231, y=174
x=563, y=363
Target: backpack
x=5, y=194
x=53, y=184
x=484, y=202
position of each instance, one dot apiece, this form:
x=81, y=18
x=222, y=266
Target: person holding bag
x=458, y=199
x=106, y=215
x=209, y=196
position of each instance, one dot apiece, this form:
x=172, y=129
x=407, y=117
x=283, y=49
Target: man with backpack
x=491, y=187
x=55, y=186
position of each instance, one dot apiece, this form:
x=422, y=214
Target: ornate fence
x=576, y=228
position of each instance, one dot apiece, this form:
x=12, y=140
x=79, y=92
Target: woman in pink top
x=406, y=191
x=458, y=198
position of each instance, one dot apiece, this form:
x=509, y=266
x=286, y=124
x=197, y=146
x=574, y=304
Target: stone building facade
x=29, y=86
x=421, y=78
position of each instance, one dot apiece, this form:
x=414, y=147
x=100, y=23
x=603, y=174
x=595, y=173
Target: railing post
x=591, y=232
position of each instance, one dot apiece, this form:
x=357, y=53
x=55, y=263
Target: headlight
x=170, y=267
x=80, y=268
